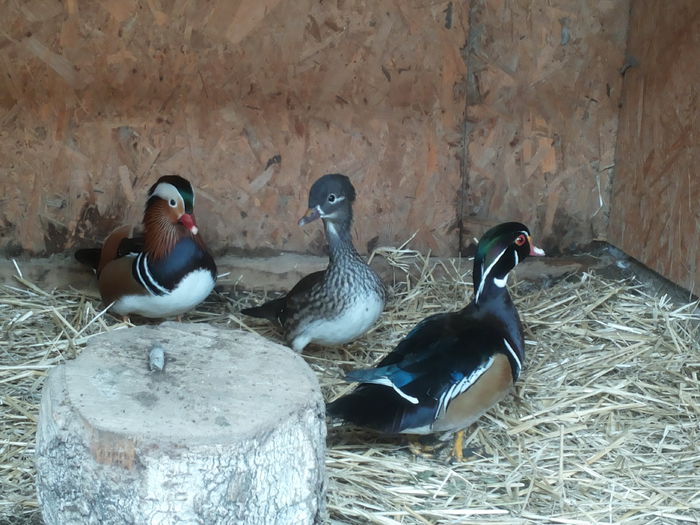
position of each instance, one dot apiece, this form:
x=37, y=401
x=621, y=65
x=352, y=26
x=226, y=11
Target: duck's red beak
x=188, y=222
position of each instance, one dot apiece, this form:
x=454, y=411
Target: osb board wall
x=543, y=93
x=254, y=99
x=250, y=99
x=656, y=196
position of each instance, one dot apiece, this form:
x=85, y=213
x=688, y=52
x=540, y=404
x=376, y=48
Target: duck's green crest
x=495, y=240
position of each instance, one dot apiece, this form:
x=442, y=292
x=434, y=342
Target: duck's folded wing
x=278, y=310
x=436, y=374
x=301, y=294
x=420, y=338
x=416, y=388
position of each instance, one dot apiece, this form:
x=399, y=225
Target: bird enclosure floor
x=602, y=427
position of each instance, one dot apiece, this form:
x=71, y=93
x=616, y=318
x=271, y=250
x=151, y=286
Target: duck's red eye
x=520, y=240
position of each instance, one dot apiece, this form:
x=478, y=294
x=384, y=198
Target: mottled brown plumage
x=342, y=302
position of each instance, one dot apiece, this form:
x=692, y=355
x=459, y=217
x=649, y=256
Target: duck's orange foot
x=420, y=449
x=458, y=448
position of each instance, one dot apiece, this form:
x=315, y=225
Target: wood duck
x=166, y=272
x=451, y=367
x=340, y=303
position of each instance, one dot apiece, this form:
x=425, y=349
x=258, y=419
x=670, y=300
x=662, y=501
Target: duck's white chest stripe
x=461, y=386
x=516, y=358
x=143, y=275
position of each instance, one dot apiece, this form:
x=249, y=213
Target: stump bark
x=232, y=430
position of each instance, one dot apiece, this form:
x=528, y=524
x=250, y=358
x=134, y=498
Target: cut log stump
x=231, y=430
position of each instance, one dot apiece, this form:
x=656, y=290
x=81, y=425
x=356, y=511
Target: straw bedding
x=603, y=426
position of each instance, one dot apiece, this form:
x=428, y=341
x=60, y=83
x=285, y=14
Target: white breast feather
x=353, y=321
x=191, y=291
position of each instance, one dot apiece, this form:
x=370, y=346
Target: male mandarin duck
x=166, y=272
x=340, y=303
x=452, y=367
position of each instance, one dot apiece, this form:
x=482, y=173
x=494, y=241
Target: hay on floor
x=603, y=426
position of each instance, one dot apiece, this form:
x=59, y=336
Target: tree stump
x=232, y=430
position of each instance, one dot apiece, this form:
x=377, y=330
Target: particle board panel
x=656, y=194
x=250, y=99
x=543, y=93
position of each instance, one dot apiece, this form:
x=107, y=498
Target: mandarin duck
x=340, y=303
x=166, y=272
x=451, y=367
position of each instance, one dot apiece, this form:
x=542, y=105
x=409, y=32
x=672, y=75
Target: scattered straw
x=603, y=427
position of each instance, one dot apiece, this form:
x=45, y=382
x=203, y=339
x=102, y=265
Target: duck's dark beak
x=311, y=215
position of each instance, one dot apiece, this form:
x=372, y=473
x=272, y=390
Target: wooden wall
x=250, y=99
x=656, y=198
x=543, y=103
x=254, y=99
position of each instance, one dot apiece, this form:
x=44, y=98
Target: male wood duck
x=166, y=272
x=342, y=302
x=454, y=366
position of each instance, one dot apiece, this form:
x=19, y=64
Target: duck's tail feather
x=380, y=408
x=89, y=257
x=271, y=310
x=130, y=245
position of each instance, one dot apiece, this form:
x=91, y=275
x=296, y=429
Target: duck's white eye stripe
x=168, y=193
